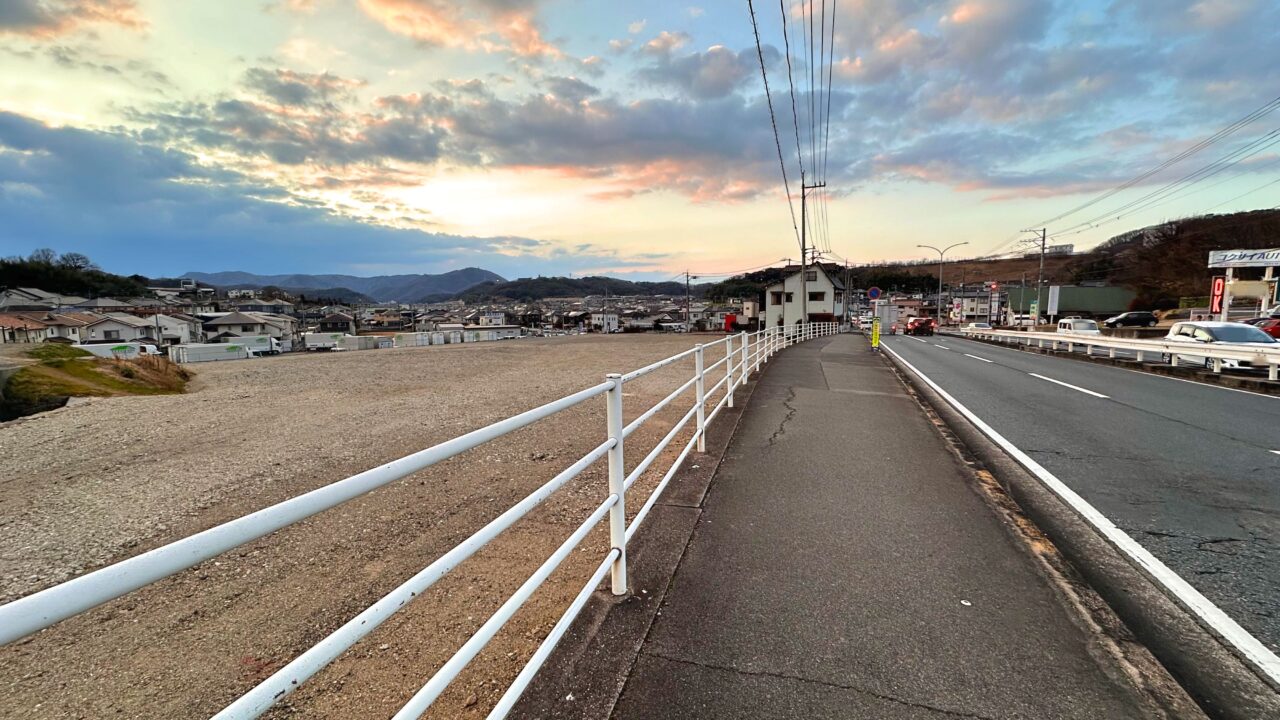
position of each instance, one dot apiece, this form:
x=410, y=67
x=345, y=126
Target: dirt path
x=90, y=484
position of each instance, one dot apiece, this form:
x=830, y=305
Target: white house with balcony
x=782, y=300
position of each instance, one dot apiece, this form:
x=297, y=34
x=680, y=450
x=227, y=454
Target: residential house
x=235, y=324
x=35, y=299
x=21, y=329
x=118, y=327
x=783, y=304
x=179, y=329
x=338, y=322
x=492, y=317
x=263, y=305
x=66, y=326
x=604, y=322
x=105, y=305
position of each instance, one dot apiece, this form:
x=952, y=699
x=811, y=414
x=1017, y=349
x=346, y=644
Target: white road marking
x=941, y=346
x=1073, y=387
x=1276, y=452
x=975, y=357
x=918, y=339
x=1253, y=650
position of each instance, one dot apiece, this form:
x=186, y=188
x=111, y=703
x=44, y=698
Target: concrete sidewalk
x=844, y=567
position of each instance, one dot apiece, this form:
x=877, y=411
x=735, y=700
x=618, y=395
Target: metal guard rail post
x=42, y=609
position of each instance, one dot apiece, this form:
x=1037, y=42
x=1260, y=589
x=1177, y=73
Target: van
x=1078, y=326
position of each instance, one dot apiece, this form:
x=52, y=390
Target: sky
x=547, y=137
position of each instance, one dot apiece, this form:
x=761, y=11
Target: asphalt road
x=1191, y=471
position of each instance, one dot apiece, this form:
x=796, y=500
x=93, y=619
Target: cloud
x=636, y=27
x=711, y=74
x=666, y=42
x=485, y=25
x=45, y=19
x=288, y=87
x=126, y=203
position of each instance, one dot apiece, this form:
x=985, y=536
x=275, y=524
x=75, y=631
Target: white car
x=978, y=326
x=1221, y=334
x=1078, y=326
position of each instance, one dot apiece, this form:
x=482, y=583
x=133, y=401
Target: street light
x=941, y=252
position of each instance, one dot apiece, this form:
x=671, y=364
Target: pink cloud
x=486, y=25
x=46, y=19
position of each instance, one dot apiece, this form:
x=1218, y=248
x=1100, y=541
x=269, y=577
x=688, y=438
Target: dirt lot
x=94, y=483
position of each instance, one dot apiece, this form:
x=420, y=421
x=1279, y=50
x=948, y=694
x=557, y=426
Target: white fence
x=743, y=354
x=1144, y=350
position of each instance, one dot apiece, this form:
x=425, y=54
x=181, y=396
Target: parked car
x=978, y=326
x=1136, y=318
x=1022, y=321
x=1268, y=325
x=920, y=326
x=1078, y=326
x=1218, y=333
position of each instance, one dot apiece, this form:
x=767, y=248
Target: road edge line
x=1214, y=673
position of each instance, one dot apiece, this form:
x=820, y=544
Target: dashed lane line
x=1069, y=385
x=975, y=357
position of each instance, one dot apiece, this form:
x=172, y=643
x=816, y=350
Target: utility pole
x=1044, y=240
x=941, y=253
x=804, y=257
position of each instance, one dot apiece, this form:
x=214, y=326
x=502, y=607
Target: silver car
x=1218, y=333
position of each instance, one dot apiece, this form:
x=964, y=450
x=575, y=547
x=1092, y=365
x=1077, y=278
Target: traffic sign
x=874, y=293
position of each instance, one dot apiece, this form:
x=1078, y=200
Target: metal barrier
x=1215, y=354
x=744, y=354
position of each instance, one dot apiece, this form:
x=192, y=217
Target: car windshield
x=1241, y=333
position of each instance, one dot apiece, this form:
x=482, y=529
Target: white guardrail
x=1215, y=353
x=744, y=354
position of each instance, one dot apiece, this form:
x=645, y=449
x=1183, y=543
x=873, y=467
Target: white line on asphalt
x=918, y=339
x=941, y=346
x=975, y=357
x=1073, y=387
x=1276, y=452
x=1254, y=651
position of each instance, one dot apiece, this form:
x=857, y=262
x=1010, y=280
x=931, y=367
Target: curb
x=1215, y=677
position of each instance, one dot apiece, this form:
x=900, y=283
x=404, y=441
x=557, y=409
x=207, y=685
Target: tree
x=43, y=255
x=76, y=261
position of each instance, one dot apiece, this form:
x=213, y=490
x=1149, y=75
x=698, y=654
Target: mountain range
x=382, y=288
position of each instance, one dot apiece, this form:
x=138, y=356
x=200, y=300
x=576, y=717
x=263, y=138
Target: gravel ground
x=94, y=483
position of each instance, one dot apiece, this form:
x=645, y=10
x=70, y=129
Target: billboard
x=1217, y=292
x=1244, y=258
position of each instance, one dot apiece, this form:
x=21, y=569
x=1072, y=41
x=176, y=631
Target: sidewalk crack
x=791, y=413
x=839, y=686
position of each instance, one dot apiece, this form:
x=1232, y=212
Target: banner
x=1244, y=258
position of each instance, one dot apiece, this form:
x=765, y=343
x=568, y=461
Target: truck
x=120, y=351
x=322, y=341
x=207, y=352
x=258, y=344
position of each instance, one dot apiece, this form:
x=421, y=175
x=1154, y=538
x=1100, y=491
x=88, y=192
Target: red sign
x=1217, y=294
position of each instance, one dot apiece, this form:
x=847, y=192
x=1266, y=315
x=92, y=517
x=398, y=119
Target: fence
x=744, y=353
x=1215, y=354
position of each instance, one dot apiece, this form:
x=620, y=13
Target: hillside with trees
x=530, y=289
x=67, y=274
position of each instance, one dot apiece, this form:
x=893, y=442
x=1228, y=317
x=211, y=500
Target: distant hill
x=1165, y=262
x=529, y=289
x=381, y=288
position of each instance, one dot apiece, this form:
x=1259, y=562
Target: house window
x=817, y=296
x=111, y=334
x=248, y=328
x=811, y=275
x=790, y=296
x=776, y=298
x=839, y=297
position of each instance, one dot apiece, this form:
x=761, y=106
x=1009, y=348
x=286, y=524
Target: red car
x=1268, y=325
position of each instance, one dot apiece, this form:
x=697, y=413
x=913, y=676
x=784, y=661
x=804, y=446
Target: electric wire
x=773, y=121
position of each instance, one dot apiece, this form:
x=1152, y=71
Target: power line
x=1207, y=171
x=1261, y=187
x=795, y=117
x=1266, y=109
x=773, y=120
